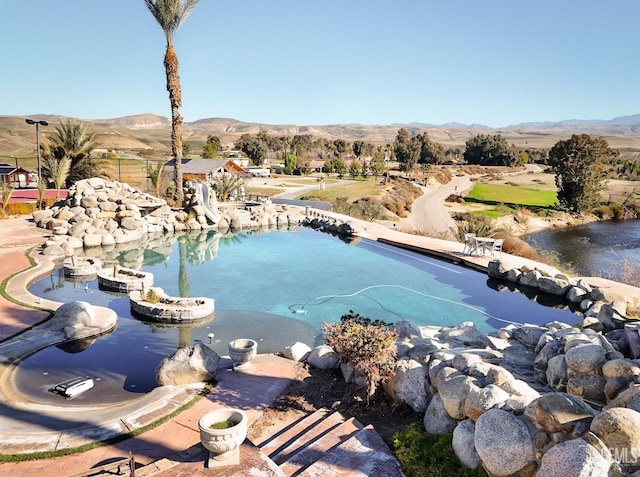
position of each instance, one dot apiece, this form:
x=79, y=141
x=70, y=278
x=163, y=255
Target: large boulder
x=72, y=317
x=466, y=333
x=558, y=412
x=528, y=335
x=193, y=364
x=557, y=372
x=323, y=357
x=409, y=384
x=573, y=458
x=454, y=390
x=436, y=419
x=463, y=446
x=590, y=387
x=503, y=443
x=480, y=400
x=585, y=359
x=298, y=351
x=619, y=429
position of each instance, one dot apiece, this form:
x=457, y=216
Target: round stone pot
x=223, y=444
x=242, y=351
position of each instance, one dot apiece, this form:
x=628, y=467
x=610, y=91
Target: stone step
x=281, y=439
x=307, y=436
x=315, y=450
x=363, y=455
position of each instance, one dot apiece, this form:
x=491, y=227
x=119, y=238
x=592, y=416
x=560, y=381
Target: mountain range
x=150, y=131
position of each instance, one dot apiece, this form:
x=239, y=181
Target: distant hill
x=154, y=132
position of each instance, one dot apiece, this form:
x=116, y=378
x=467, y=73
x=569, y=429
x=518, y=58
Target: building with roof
x=206, y=169
x=14, y=176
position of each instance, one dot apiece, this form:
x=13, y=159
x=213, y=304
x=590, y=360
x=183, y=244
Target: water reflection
x=595, y=249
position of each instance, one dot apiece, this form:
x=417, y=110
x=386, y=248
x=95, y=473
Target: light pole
x=37, y=123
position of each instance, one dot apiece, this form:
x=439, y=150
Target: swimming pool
x=277, y=288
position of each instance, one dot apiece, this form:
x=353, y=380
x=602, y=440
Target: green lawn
x=508, y=194
x=353, y=190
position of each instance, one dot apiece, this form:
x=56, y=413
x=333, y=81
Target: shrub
x=20, y=208
x=7, y=190
x=427, y=455
x=151, y=296
x=629, y=273
x=369, y=347
x=610, y=211
x=475, y=224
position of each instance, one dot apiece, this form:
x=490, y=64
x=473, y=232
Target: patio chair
x=470, y=244
x=497, y=247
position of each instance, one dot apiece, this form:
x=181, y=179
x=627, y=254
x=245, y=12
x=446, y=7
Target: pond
x=276, y=288
x=601, y=248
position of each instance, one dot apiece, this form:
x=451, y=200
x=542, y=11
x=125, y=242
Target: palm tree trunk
x=175, y=98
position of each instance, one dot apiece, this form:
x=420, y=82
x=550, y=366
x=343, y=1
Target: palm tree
x=72, y=140
x=225, y=184
x=58, y=171
x=170, y=14
x=155, y=174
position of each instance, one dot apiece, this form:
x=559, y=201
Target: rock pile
x=528, y=400
x=100, y=212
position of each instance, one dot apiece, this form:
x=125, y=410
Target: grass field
x=511, y=194
x=352, y=191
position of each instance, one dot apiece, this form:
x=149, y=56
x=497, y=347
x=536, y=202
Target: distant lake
x=594, y=249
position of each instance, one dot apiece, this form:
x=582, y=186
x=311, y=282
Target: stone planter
x=242, y=351
x=79, y=267
x=223, y=444
x=124, y=280
x=170, y=309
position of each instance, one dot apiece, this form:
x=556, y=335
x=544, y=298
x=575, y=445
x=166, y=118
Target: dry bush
x=630, y=273
x=443, y=176
x=20, y=208
x=369, y=347
x=523, y=215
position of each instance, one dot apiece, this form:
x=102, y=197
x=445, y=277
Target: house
x=206, y=169
x=13, y=176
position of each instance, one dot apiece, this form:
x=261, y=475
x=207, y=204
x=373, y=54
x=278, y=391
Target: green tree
x=186, y=148
x=365, y=171
x=430, y=152
x=522, y=158
x=489, y=150
x=57, y=170
x=377, y=164
x=211, y=148
x=73, y=141
x=340, y=146
x=170, y=15
x=328, y=167
x=407, y=149
x=354, y=169
x=358, y=147
x=255, y=149
x=339, y=167
x=290, y=163
x=579, y=164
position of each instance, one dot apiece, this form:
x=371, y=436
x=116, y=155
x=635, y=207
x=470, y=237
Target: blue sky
x=306, y=62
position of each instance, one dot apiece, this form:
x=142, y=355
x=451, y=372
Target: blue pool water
x=277, y=288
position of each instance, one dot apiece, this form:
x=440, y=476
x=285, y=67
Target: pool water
x=276, y=288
